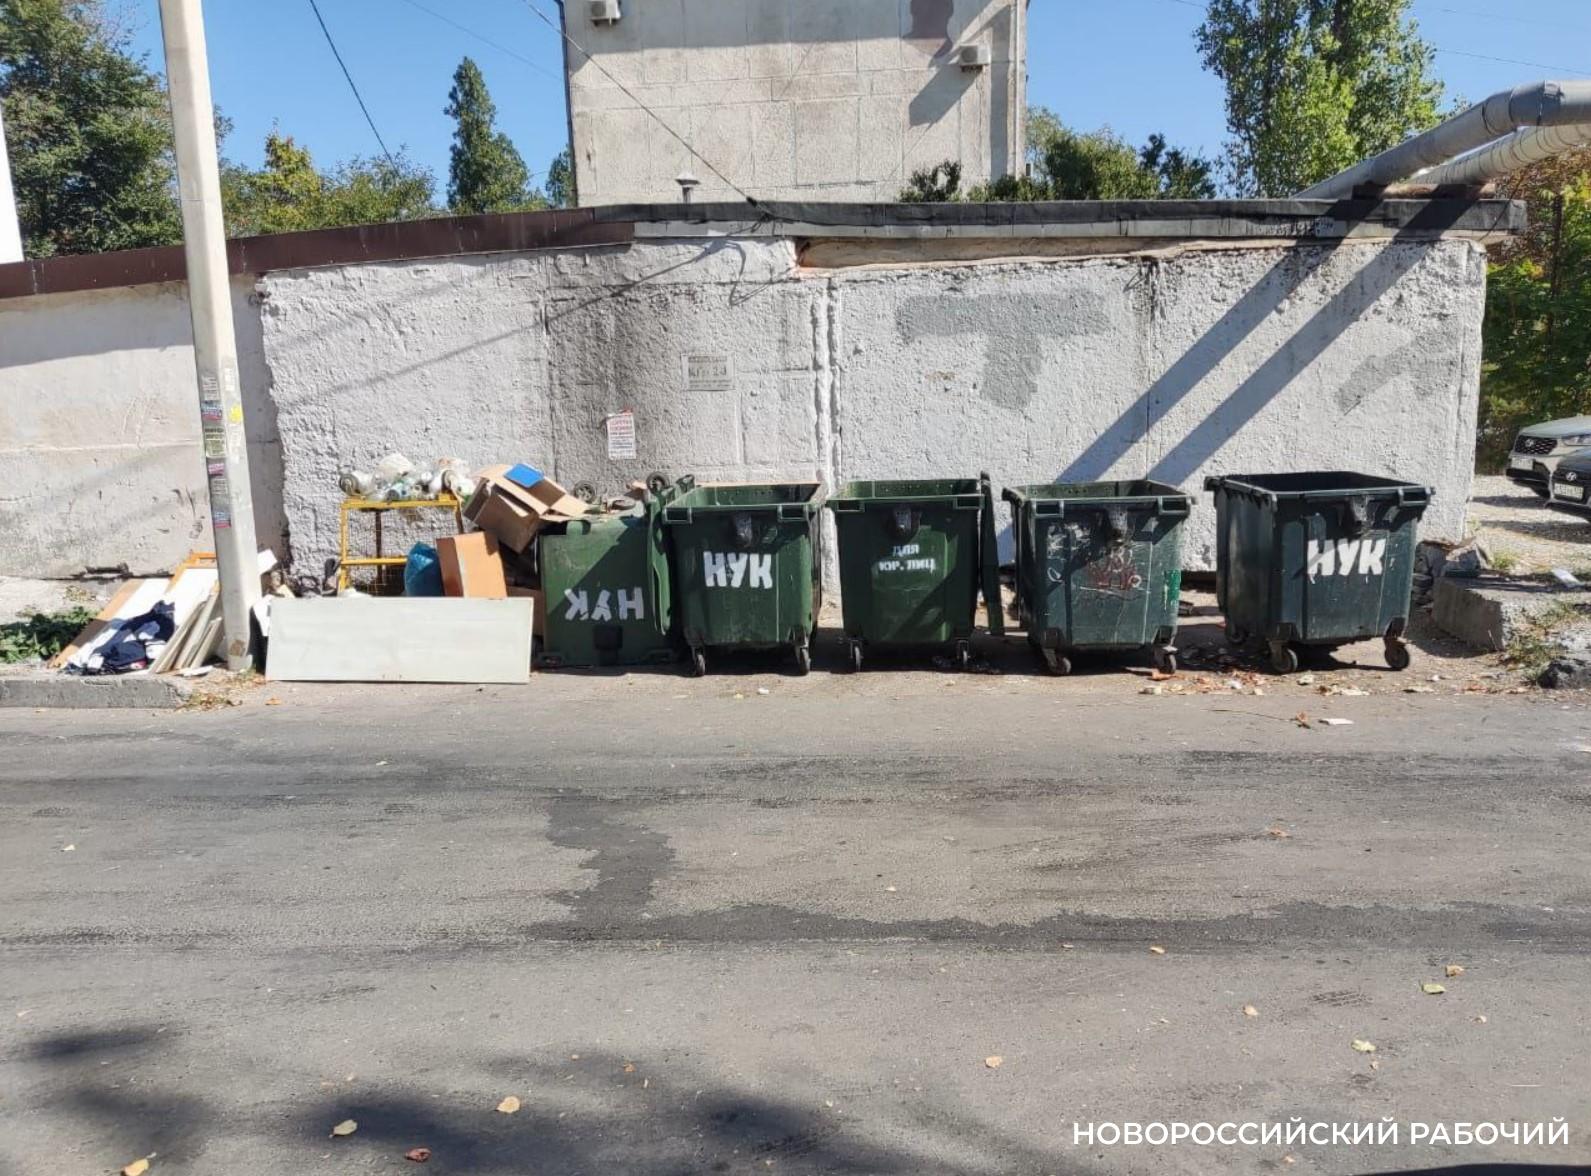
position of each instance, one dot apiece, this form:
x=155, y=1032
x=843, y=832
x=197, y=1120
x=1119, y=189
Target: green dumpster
x=606, y=581
x=1099, y=567
x=1315, y=559
x=745, y=568
x=913, y=558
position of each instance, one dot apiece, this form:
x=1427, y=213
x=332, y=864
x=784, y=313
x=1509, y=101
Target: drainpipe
x=1563, y=107
x=10, y=233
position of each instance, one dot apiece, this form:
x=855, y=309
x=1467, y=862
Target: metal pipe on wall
x=1538, y=105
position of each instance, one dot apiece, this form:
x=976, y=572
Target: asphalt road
x=695, y=932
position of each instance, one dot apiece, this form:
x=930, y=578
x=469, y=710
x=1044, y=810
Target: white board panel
x=400, y=639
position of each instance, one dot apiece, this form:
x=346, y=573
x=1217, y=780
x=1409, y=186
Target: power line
x=630, y=94
x=1558, y=69
x=314, y=7
x=484, y=40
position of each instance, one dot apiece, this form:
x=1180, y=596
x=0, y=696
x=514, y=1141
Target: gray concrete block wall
x=1171, y=365
x=825, y=99
x=99, y=431
x=1362, y=356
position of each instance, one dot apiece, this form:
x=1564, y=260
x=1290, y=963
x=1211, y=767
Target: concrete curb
x=65, y=691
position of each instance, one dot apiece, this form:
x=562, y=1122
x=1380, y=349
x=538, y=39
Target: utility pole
x=10, y=234
x=215, y=348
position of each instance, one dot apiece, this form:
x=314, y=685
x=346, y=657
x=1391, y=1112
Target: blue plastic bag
x=422, y=574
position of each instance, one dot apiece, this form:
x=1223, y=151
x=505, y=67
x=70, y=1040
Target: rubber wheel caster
x=1057, y=664
x=1165, y=660
x=963, y=655
x=698, y=663
x=1398, y=655
x=1284, y=658
x=854, y=656
x=1236, y=636
x=803, y=660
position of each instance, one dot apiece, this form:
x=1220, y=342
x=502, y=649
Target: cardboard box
x=539, y=604
x=472, y=565
x=514, y=502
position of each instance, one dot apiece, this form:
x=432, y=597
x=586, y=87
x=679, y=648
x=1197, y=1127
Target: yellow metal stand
x=350, y=506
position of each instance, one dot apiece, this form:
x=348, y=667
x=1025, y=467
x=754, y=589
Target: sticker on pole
x=621, y=436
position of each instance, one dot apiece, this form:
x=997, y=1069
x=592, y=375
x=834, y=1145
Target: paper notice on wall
x=621, y=436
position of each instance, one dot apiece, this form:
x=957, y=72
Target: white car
x=1539, y=448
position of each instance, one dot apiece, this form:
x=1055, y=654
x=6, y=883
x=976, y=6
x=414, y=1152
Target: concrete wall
x=1168, y=364
x=1239, y=360
x=819, y=100
x=99, y=431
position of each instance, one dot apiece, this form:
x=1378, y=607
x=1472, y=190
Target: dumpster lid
x=1318, y=484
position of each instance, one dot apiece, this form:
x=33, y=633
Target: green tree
x=88, y=129
x=940, y=184
x=1313, y=86
x=1537, y=335
x=485, y=171
x=1064, y=164
x=560, y=188
x=289, y=194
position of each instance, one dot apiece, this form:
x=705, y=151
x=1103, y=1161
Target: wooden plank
x=403, y=639
x=98, y=625
x=182, y=648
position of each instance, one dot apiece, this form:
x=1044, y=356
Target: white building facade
x=818, y=100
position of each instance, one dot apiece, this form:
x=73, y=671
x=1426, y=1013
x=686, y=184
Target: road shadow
x=645, y=1116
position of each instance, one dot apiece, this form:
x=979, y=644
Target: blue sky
x=1128, y=63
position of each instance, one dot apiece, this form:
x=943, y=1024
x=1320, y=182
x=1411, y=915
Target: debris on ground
x=508, y=1106
x=1362, y=1046
x=346, y=1127
x=1453, y=970
x=994, y=1061
x=418, y=1155
x=1432, y=989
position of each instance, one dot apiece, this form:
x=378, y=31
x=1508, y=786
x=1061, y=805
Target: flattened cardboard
x=514, y=513
x=472, y=565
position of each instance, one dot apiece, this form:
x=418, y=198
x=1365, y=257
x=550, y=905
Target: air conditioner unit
x=605, y=12
x=975, y=57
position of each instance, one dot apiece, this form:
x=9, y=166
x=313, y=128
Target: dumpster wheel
x=698, y=663
x=1284, y=658
x=1397, y=653
x=853, y=656
x=1055, y=661
x=803, y=660
x=963, y=655
x=1164, y=658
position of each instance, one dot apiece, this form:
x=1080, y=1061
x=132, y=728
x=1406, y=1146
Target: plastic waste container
x=1099, y=567
x=605, y=577
x=1315, y=559
x=745, y=568
x=914, y=556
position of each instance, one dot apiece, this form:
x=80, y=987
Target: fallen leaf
x=1159, y=676
x=1480, y=1020
x=1364, y=1046
x=1375, y=1065
x=1279, y=834
x=629, y=1067
x=1432, y=989
x=346, y=1127
x=136, y=1168
x=1250, y=1011
x=889, y=890
x=1302, y=719
x=1289, y=1159
x=509, y=1105
x=1453, y=970
x=1157, y=950
x=1306, y=679
x=994, y=1061
x=418, y=1154
x=273, y=702
x=68, y=848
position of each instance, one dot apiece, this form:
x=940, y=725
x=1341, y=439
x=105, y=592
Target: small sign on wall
x=707, y=373
x=621, y=436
